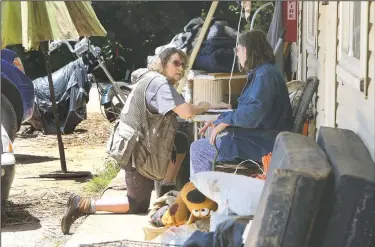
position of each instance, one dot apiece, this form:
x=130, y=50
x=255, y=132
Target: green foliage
x=136, y=28
x=140, y=27
x=264, y=17
x=230, y=12
x=103, y=177
x=58, y=243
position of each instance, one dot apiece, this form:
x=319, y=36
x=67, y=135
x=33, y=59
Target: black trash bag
x=72, y=88
x=216, y=55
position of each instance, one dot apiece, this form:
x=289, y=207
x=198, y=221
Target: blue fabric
x=216, y=54
x=264, y=102
x=202, y=154
x=238, y=144
x=200, y=239
x=227, y=234
x=263, y=111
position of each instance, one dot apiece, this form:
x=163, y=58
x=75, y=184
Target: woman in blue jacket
x=263, y=105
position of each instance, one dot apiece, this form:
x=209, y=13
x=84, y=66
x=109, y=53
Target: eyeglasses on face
x=178, y=63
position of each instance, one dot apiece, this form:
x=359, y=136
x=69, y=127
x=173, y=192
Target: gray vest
x=141, y=138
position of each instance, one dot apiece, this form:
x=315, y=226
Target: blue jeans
x=202, y=153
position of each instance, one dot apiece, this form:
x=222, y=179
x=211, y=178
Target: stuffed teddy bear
x=189, y=206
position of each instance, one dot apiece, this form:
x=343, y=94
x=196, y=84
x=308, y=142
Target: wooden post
x=202, y=34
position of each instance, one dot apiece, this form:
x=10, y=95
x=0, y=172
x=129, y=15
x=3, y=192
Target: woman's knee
x=196, y=147
x=201, y=156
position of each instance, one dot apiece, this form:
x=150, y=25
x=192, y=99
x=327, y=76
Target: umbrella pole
x=54, y=107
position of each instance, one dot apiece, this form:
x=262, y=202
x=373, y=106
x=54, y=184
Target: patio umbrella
x=30, y=23
x=33, y=24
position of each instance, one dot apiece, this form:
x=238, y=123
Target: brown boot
x=76, y=207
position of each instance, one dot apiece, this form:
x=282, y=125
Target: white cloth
x=233, y=193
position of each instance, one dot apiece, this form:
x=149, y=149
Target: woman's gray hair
x=159, y=62
x=258, y=49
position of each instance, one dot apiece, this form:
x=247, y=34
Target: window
x=353, y=38
x=312, y=25
x=350, y=22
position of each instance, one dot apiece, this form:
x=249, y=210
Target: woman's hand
x=221, y=105
x=205, y=106
x=205, y=127
x=220, y=127
x=187, y=110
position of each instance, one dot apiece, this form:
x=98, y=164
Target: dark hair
x=162, y=59
x=258, y=50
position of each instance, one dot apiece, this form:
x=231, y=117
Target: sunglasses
x=178, y=63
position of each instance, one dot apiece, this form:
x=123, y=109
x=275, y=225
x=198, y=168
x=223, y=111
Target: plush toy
x=189, y=206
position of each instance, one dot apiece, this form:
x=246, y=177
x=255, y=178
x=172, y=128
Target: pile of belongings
x=216, y=52
x=181, y=211
x=208, y=211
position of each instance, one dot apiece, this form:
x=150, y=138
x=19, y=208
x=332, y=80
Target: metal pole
x=117, y=89
x=44, y=46
x=279, y=42
x=256, y=13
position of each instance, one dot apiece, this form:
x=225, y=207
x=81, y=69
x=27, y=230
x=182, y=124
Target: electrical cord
x=235, y=55
x=252, y=161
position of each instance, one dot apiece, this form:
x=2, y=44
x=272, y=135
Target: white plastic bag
x=176, y=235
x=237, y=193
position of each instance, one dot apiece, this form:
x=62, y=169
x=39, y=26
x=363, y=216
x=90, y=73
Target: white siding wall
x=319, y=68
x=308, y=62
x=354, y=111
x=338, y=103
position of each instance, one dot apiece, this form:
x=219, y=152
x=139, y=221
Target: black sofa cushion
x=347, y=215
x=292, y=193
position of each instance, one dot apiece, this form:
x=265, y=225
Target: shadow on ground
x=16, y=218
x=29, y=159
x=80, y=131
x=78, y=177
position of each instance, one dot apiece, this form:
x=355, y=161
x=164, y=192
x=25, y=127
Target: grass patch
x=58, y=244
x=103, y=177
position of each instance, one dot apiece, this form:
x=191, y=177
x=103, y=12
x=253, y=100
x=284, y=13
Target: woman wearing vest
x=145, y=141
x=263, y=105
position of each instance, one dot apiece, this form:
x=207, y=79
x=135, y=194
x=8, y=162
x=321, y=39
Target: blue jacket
x=263, y=111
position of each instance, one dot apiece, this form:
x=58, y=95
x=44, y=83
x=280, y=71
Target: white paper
x=219, y=110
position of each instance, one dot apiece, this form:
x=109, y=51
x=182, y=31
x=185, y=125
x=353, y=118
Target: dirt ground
x=36, y=205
